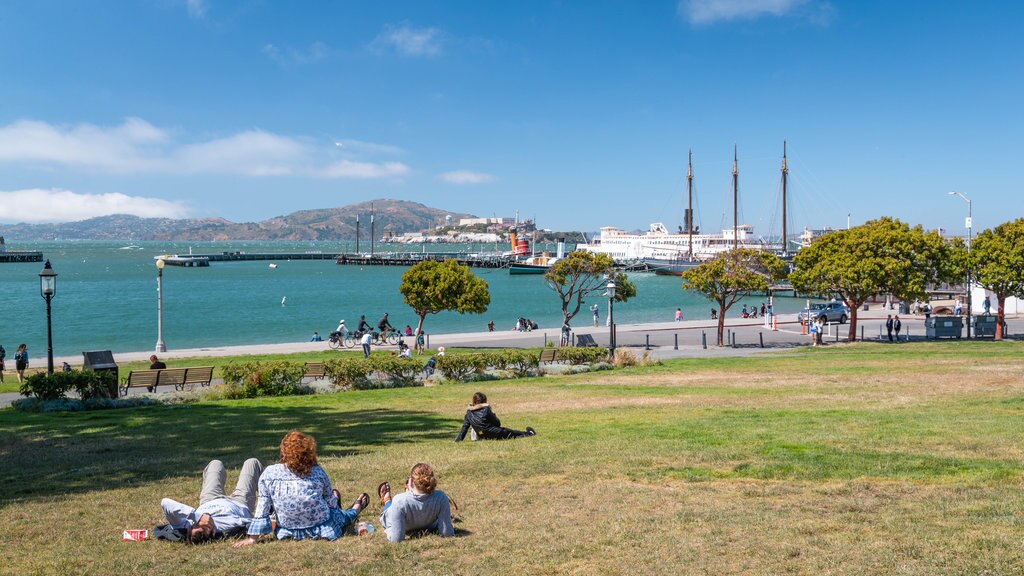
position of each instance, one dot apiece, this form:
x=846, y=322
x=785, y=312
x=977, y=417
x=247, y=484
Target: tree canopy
x=883, y=256
x=733, y=275
x=430, y=287
x=579, y=274
x=997, y=263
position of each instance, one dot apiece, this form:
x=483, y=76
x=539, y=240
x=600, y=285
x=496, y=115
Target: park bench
x=171, y=377
x=139, y=379
x=315, y=370
x=548, y=355
x=585, y=340
x=201, y=375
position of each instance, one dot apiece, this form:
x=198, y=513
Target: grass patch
x=863, y=459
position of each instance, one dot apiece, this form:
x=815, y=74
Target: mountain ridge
x=325, y=224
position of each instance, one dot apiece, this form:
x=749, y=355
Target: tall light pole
x=611, y=316
x=968, y=223
x=160, y=346
x=48, y=289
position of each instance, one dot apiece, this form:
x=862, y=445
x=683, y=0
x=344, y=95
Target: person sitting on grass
x=218, y=515
x=484, y=423
x=298, y=491
x=421, y=507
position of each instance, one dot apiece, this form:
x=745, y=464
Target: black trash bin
x=101, y=361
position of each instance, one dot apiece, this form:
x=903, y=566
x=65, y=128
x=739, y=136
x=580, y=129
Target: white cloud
x=699, y=12
x=466, y=177
x=197, y=8
x=136, y=146
x=364, y=170
x=38, y=205
x=289, y=56
x=411, y=41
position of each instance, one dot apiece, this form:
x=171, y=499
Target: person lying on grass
x=298, y=491
x=485, y=424
x=218, y=515
x=421, y=507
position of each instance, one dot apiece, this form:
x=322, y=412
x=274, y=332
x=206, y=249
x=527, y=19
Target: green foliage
x=586, y=355
x=581, y=273
x=430, y=287
x=55, y=386
x=883, y=256
x=733, y=275
x=378, y=371
x=256, y=379
x=997, y=263
x=459, y=367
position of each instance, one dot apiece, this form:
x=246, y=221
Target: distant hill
x=397, y=216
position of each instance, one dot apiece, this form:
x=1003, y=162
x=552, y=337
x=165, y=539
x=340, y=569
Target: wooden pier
x=21, y=256
x=408, y=259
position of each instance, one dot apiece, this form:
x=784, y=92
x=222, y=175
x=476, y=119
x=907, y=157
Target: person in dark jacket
x=485, y=424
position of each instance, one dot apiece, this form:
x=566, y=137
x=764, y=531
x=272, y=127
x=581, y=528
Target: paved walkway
x=666, y=339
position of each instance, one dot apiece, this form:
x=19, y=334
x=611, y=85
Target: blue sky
x=578, y=113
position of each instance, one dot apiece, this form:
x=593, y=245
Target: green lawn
x=861, y=459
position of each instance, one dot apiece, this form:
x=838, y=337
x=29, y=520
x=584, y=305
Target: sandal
x=362, y=502
x=384, y=488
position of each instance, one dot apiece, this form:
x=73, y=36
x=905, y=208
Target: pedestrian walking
x=597, y=314
x=888, y=326
x=764, y=309
x=365, y=340
x=3, y=354
x=21, y=361
x=987, y=304
x=679, y=314
x=896, y=325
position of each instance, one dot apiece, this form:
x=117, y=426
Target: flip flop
x=363, y=501
x=382, y=488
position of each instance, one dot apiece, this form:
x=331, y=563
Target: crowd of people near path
x=294, y=499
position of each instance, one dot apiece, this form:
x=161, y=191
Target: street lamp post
x=48, y=289
x=968, y=223
x=160, y=346
x=611, y=316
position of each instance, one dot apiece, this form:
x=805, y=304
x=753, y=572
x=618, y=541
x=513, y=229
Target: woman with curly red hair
x=298, y=491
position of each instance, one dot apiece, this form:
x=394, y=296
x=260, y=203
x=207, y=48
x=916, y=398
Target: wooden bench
x=548, y=355
x=315, y=370
x=201, y=375
x=139, y=379
x=171, y=377
x=585, y=340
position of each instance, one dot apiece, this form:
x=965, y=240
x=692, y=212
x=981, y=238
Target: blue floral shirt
x=305, y=506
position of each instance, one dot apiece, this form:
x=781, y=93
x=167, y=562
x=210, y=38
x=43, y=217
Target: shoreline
x=628, y=335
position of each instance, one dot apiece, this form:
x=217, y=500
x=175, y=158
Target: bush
x=574, y=355
x=55, y=386
x=255, y=379
x=374, y=372
x=459, y=367
x=625, y=358
x=347, y=371
x=66, y=405
x=520, y=362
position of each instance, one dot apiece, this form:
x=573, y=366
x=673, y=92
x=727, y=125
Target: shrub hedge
x=55, y=386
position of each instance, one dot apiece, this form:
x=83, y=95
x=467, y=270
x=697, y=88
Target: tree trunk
x=721, y=323
x=419, y=325
x=1000, y=300
x=852, y=337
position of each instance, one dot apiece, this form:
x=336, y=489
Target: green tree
x=579, y=274
x=733, y=275
x=430, y=287
x=997, y=262
x=883, y=256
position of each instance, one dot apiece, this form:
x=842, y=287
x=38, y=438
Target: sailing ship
x=674, y=253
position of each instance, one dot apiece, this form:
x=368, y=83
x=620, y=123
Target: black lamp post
x=611, y=316
x=48, y=289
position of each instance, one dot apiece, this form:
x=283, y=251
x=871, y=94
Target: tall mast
x=735, y=198
x=689, y=211
x=785, y=178
x=371, y=229
x=357, y=233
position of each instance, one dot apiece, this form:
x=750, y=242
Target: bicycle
x=388, y=336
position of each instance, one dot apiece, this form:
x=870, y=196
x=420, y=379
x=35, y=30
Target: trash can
x=101, y=361
x=944, y=327
x=985, y=326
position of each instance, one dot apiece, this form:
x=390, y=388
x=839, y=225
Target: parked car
x=829, y=312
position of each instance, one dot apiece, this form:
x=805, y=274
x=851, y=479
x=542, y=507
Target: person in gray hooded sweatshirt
x=421, y=507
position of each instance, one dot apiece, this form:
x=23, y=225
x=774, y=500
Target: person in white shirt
x=365, y=340
x=218, y=514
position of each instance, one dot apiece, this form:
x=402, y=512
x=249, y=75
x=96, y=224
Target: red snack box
x=135, y=535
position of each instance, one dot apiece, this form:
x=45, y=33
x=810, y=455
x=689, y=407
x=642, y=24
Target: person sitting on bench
x=485, y=424
x=155, y=363
x=218, y=515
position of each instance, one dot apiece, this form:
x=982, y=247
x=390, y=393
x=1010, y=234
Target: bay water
x=106, y=297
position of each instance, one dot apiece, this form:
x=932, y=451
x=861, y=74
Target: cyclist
x=384, y=325
x=364, y=326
